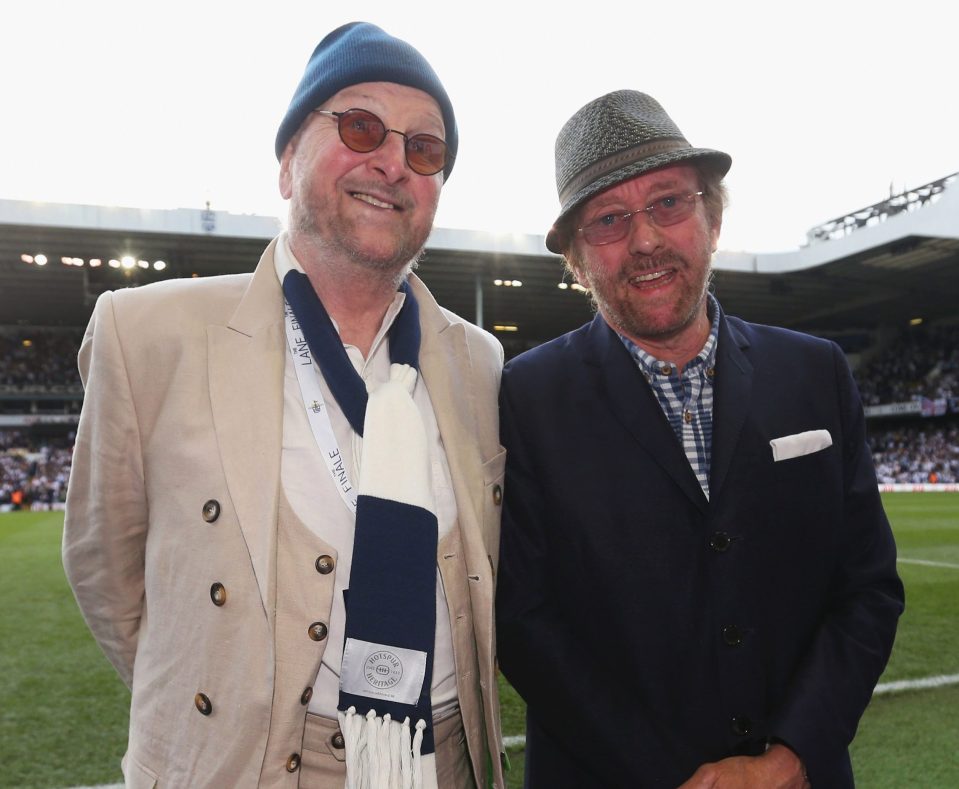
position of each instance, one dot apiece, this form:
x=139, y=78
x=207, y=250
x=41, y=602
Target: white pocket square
x=800, y=444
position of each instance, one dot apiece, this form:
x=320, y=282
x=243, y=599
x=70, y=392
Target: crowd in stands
x=39, y=359
x=924, y=363
x=33, y=472
x=38, y=362
x=916, y=454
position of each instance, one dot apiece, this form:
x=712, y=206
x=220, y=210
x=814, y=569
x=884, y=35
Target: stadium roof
x=879, y=266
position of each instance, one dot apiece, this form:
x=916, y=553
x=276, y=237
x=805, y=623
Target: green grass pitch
x=63, y=711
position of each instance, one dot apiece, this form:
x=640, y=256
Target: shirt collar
x=706, y=358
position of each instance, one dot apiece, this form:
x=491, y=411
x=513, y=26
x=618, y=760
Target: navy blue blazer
x=651, y=629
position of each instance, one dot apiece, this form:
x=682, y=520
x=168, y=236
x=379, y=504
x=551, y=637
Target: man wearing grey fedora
x=697, y=581
x=283, y=518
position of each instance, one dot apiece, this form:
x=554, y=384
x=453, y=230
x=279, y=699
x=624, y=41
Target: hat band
x=617, y=161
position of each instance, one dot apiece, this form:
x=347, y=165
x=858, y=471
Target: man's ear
x=714, y=229
x=286, y=175
x=575, y=267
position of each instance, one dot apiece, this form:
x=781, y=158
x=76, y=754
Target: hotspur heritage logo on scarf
x=383, y=670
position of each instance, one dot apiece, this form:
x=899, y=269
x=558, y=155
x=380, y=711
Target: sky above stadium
x=825, y=107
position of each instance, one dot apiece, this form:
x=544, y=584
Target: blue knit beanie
x=361, y=52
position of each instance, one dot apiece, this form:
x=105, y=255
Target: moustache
x=385, y=192
x=642, y=264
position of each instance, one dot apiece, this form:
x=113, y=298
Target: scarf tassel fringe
x=385, y=754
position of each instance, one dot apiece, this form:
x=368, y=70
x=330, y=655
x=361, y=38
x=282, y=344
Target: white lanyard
x=316, y=410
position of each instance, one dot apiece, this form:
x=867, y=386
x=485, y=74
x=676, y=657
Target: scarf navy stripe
x=396, y=576
x=328, y=351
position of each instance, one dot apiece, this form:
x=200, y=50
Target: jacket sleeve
x=849, y=651
x=105, y=527
x=564, y=678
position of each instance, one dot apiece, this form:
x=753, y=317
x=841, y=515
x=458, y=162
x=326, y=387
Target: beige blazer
x=176, y=532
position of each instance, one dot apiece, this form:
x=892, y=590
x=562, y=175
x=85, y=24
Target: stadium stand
x=919, y=367
x=38, y=360
x=921, y=363
x=40, y=399
x=882, y=281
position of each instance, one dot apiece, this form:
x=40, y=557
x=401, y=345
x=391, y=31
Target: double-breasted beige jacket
x=206, y=593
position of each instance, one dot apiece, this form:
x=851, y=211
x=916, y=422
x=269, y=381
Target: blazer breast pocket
x=801, y=462
x=806, y=479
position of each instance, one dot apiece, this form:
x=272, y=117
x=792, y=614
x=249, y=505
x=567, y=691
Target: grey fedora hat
x=612, y=139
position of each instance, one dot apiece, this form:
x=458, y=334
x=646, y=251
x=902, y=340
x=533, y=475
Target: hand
x=777, y=768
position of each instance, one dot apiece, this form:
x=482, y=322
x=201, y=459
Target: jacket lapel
x=733, y=396
x=246, y=364
x=446, y=368
x=635, y=406
x=449, y=374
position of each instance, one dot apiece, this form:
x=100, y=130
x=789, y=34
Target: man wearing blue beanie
x=283, y=519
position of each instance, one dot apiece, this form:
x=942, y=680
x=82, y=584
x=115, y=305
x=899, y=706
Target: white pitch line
x=917, y=684
x=927, y=563
x=100, y=786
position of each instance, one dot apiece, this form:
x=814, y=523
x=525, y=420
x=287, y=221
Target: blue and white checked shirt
x=686, y=396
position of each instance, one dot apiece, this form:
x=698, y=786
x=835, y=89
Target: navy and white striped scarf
x=386, y=676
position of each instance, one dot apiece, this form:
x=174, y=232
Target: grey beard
x=395, y=269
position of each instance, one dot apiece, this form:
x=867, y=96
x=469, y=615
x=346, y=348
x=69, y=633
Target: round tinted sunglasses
x=363, y=132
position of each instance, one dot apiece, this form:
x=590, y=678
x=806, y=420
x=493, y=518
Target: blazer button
x=497, y=495
x=293, y=763
x=307, y=695
x=337, y=741
x=318, y=631
x=720, y=542
x=211, y=510
x=324, y=564
x=741, y=725
x=203, y=703
x=218, y=593
x=732, y=635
